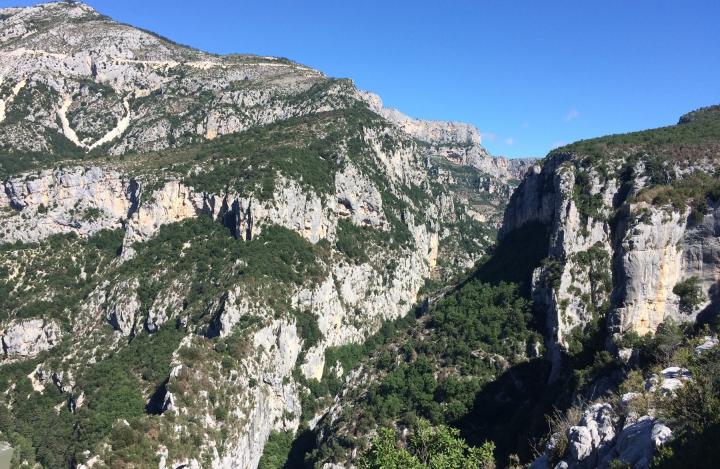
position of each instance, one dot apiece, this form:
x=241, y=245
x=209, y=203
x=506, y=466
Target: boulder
x=588, y=440
x=636, y=443
x=709, y=343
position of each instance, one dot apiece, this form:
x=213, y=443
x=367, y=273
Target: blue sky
x=530, y=74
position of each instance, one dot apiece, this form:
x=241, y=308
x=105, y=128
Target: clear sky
x=530, y=74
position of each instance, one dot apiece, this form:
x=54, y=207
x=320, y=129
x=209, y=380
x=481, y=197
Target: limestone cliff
x=458, y=142
x=198, y=233
x=630, y=218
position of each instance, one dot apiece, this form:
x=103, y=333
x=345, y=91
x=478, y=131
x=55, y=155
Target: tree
x=689, y=292
x=428, y=447
x=385, y=454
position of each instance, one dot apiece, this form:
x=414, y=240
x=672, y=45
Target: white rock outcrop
x=358, y=198
x=27, y=338
x=458, y=142
x=636, y=443
x=78, y=200
x=123, y=307
x=601, y=438
x=629, y=256
x=709, y=343
x=590, y=439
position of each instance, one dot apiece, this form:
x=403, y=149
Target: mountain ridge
x=133, y=63
x=238, y=219
x=614, y=241
x=237, y=261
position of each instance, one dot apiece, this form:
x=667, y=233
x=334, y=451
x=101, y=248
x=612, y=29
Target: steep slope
x=631, y=217
x=114, y=88
x=613, y=242
x=186, y=238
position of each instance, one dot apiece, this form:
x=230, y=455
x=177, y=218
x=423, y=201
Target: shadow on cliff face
x=709, y=314
x=156, y=403
x=515, y=257
x=510, y=411
x=302, y=446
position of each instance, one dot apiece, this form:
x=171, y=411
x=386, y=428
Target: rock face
x=27, y=338
x=358, y=198
x=589, y=439
x=437, y=132
x=616, y=248
x=79, y=200
x=637, y=442
x=123, y=307
x=104, y=85
x=601, y=439
x=458, y=142
x=369, y=202
x=653, y=263
x=136, y=82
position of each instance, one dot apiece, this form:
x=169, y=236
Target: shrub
x=427, y=447
x=552, y=272
x=690, y=294
x=694, y=416
x=308, y=329
x=559, y=424
x=276, y=451
x=660, y=347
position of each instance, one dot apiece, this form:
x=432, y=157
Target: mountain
x=188, y=240
x=111, y=89
x=609, y=250
x=629, y=218
x=237, y=261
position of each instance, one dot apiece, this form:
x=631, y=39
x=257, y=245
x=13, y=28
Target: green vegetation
x=304, y=149
x=657, y=348
x=276, y=451
x=247, y=164
x=690, y=294
x=660, y=151
x=436, y=370
x=694, y=190
x=353, y=241
x=694, y=131
x=129, y=383
x=360, y=242
x=112, y=393
x=33, y=98
x=552, y=272
x=115, y=388
x=49, y=281
x=597, y=261
x=694, y=415
x=468, y=328
x=346, y=357
x=212, y=260
x=693, y=410
x=427, y=448
x=308, y=329
x=443, y=368
x=480, y=317
x=588, y=204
